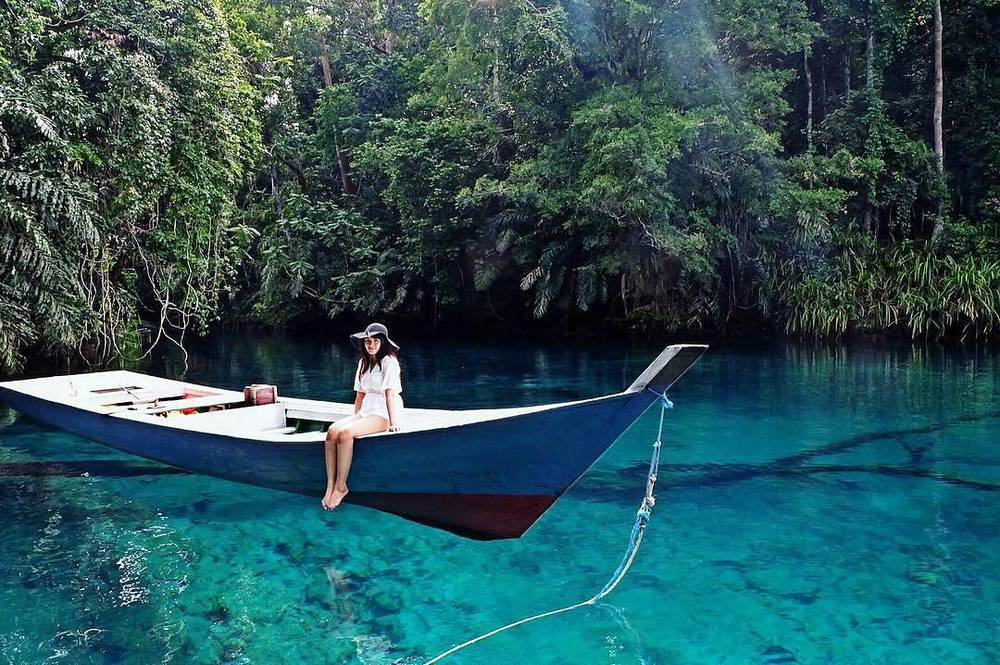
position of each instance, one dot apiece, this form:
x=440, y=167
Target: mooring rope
x=634, y=541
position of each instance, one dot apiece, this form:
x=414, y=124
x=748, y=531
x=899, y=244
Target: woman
x=377, y=407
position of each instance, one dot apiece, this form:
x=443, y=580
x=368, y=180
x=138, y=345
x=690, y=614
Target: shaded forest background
x=724, y=166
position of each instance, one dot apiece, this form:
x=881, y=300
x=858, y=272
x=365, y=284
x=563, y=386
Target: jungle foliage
x=717, y=165
x=127, y=134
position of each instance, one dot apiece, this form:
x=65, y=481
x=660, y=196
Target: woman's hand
x=390, y=407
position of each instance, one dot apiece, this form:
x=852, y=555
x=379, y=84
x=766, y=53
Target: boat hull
x=486, y=480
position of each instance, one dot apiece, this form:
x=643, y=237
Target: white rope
x=635, y=540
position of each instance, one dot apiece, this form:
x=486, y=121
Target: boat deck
x=190, y=406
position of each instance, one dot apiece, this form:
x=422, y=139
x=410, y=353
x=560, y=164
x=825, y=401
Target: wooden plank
x=196, y=403
x=323, y=416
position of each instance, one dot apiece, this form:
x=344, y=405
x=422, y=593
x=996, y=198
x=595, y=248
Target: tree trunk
x=866, y=220
x=496, y=59
x=938, y=109
x=869, y=56
x=809, y=99
x=847, y=72
x=343, y=163
x=391, y=38
x=324, y=61
x=272, y=171
x=938, y=86
x=822, y=83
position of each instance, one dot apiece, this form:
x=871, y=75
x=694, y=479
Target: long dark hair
x=367, y=362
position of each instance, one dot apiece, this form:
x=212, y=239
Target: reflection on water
x=817, y=504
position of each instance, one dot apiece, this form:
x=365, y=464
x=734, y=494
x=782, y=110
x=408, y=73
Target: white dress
x=374, y=383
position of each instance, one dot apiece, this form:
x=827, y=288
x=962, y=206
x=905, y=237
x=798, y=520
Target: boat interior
x=260, y=413
x=190, y=406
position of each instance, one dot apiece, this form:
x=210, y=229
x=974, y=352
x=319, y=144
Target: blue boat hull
x=484, y=480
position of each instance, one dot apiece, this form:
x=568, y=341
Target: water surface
x=815, y=506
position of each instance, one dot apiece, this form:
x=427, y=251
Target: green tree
x=126, y=134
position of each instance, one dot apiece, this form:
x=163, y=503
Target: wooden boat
x=483, y=473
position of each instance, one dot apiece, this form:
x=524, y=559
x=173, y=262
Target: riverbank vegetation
x=807, y=167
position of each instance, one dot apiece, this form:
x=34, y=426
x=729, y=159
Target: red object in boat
x=258, y=394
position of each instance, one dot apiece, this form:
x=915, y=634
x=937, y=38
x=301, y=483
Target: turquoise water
x=815, y=506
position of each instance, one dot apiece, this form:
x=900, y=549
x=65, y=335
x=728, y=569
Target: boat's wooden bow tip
x=668, y=367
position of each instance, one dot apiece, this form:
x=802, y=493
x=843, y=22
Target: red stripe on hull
x=480, y=516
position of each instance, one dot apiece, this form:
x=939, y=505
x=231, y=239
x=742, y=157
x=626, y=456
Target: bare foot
x=337, y=496
x=328, y=499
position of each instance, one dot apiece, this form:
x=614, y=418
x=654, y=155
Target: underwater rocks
x=773, y=655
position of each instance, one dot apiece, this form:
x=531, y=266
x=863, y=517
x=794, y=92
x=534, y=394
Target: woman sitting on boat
x=377, y=407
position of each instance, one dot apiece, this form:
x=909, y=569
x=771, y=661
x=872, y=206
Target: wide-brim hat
x=358, y=339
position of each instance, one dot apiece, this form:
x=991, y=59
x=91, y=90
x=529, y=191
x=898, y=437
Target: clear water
x=815, y=506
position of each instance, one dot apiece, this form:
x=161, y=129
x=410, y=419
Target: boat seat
x=281, y=430
x=326, y=415
x=194, y=403
x=244, y=421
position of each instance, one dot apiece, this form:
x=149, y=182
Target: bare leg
x=345, y=452
x=330, y=446
x=345, y=455
x=331, y=456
